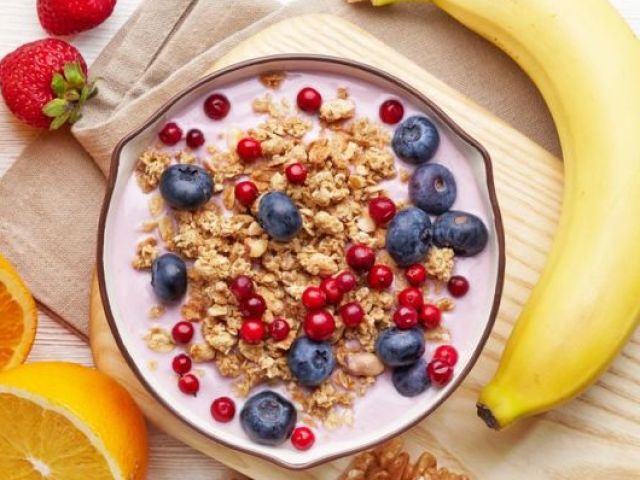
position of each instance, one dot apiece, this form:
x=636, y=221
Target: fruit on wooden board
x=585, y=60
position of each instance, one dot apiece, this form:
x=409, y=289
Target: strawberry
x=44, y=83
x=63, y=17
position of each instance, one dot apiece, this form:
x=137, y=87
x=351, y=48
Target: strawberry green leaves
x=72, y=91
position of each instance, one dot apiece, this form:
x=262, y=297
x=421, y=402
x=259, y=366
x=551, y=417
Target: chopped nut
x=256, y=247
x=363, y=364
x=217, y=311
x=272, y=80
x=338, y=109
x=156, y=311
x=445, y=304
x=201, y=352
x=165, y=226
x=156, y=205
x=366, y=224
x=390, y=462
x=149, y=226
x=186, y=157
x=159, y=340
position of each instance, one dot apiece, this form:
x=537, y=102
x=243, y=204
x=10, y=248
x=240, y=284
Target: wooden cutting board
x=595, y=436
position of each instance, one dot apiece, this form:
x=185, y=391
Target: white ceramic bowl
x=381, y=413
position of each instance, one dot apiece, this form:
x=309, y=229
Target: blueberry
x=268, y=418
x=416, y=140
x=433, y=188
x=169, y=277
x=397, y=348
x=186, y=187
x=464, y=232
x=411, y=380
x=279, y=216
x=408, y=236
x=311, y=362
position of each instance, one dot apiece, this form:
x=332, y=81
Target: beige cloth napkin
x=50, y=198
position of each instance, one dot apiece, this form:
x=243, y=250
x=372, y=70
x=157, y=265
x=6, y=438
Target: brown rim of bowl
x=320, y=59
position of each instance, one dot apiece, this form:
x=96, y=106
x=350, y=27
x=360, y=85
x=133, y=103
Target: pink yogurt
x=381, y=403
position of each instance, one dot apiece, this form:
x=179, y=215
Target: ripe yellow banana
x=586, y=62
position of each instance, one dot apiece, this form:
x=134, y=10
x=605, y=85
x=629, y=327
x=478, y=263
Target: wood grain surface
x=171, y=459
x=597, y=435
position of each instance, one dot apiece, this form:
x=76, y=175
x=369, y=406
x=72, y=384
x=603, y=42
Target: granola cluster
x=347, y=163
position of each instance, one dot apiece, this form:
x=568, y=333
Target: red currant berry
x=296, y=173
x=391, y=111
x=279, y=329
x=448, y=353
x=309, y=100
x=189, y=384
x=182, y=332
x=241, y=287
x=380, y=277
x=246, y=192
x=458, y=286
x=416, y=274
x=319, y=325
x=351, y=314
x=405, y=317
x=430, y=315
x=347, y=281
x=440, y=372
x=303, y=438
x=411, y=297
x=249, y=149
x=360, y=257
x=170, y=134
x=314, y=298
x=252, y=331
x=217, y=106
x=331, y=289
x=381, y=210
x=223, y=409
x=253, y=306
x=195, y=138
x=181, y=364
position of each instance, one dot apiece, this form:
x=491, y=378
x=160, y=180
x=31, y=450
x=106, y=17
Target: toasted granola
x=149, y=168
x=347, y=164
x=146, y=252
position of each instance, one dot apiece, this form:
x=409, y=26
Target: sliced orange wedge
x=18, y=317
x=61, y=421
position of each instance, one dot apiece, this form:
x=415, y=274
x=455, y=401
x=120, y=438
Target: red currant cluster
x=440, y=368
x=216, y=107
x=413, y=309
x=252, y=308
x=223, y=409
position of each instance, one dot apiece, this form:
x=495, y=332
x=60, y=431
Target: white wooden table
x=18, y=25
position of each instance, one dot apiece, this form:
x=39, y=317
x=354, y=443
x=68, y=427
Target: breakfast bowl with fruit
x=300, y=257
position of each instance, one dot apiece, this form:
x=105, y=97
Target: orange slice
x=18, y=317
x=60, y=421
